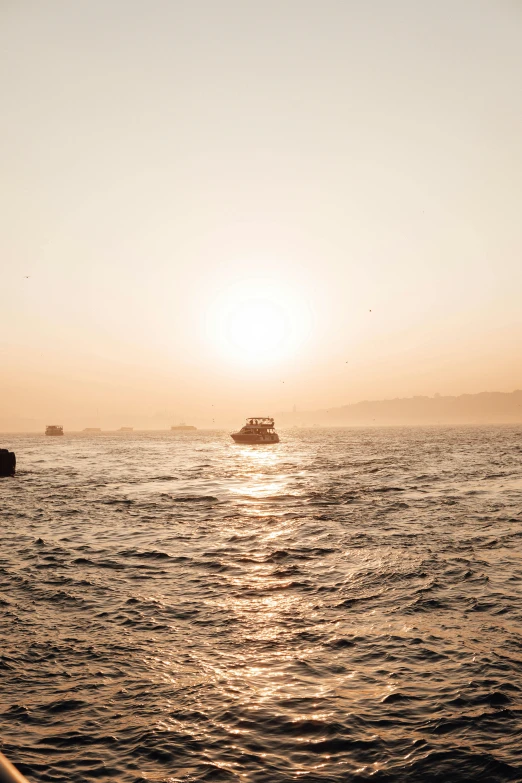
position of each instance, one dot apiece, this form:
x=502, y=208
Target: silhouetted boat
x=259, y=429
x=183, y=427
x=54, y=429
x=92, y=429
x=7, y=462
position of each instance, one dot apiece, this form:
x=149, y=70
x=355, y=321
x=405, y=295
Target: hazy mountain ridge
x=481, y=408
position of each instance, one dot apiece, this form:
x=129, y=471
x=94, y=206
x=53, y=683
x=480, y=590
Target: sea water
x=343, y=606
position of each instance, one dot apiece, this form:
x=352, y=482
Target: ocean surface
x=344, y=606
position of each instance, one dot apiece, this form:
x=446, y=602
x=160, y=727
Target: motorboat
x=258, y=429
x=54, y=429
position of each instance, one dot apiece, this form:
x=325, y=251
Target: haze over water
x=344, y=606
x=222, y=208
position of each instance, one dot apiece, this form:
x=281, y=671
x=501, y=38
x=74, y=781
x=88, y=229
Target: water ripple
x=344, y=606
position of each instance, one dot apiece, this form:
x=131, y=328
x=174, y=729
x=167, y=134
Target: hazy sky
x=210, y=196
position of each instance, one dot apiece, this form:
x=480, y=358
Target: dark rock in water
x=7, y=462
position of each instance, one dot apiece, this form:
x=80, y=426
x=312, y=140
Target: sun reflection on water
x=259, y=478
x=265, y=667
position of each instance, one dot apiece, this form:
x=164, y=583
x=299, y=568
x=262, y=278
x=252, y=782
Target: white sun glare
x=257, y=321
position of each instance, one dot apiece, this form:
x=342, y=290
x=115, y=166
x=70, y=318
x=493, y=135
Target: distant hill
x=483, y=408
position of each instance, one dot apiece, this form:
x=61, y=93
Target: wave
x=341, y=609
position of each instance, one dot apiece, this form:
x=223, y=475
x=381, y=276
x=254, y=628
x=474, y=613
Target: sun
x=257, y=322
x=257, y=328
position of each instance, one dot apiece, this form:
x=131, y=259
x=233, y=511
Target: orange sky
x=227, y=207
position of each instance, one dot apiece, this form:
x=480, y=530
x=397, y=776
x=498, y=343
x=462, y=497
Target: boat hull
x=254, y=440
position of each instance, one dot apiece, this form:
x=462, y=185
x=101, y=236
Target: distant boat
x=54, y=429
x=258, y=429
x=92, y=429
x=126, y=429
x=183, y=427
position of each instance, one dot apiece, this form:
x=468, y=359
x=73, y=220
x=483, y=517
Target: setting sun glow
x=258, y=321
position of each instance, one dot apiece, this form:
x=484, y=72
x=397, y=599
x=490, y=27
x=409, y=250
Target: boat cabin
x=260, y=421
x=259, y=424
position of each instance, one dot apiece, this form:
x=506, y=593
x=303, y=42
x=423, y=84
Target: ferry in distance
x=54, y=429
x=183, y=427
x=258, y=429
